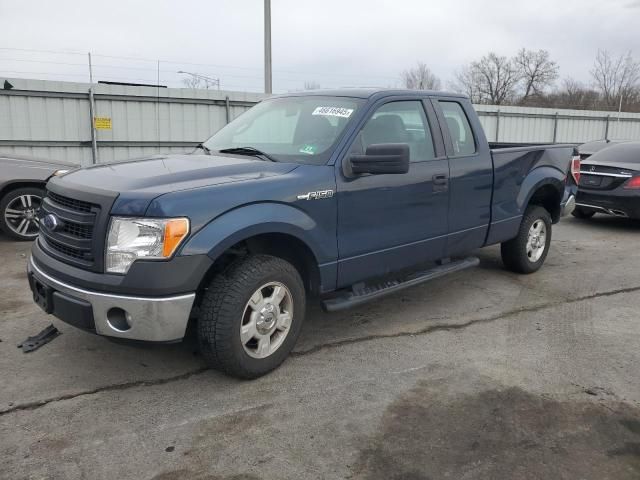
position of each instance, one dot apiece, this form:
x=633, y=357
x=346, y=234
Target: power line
x=123, y=67
x=216, y=66
x=42, y=51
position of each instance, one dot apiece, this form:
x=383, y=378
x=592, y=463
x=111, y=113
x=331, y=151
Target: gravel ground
x=482, y=374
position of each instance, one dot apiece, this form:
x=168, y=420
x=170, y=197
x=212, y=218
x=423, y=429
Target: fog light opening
x=118, y=319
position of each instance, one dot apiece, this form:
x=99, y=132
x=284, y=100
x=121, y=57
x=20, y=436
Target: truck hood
x=137, y=182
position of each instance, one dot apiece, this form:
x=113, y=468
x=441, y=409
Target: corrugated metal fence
x=53, y=120
x=528, y=124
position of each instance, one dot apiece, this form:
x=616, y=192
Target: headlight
x=148, y=238
x=57, y=173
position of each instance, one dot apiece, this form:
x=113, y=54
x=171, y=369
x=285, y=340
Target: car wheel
x=584, y=213
x=251, y=315
x=19, y=213
x=527, y=252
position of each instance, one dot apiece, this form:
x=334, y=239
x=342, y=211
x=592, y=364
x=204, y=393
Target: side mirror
x=389, y=158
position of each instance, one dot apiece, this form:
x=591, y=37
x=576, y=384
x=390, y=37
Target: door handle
x=440, y=182
x=440, y=179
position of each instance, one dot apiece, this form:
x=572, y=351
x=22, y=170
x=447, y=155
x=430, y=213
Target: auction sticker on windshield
x=333, y=111
x=308, y=149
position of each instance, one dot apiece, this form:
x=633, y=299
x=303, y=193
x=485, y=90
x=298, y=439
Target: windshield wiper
x=254, y=152
x=207, y=150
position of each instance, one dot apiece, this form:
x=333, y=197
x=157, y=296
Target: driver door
x=388, y=222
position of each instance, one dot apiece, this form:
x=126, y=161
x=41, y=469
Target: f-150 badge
x=319, y=195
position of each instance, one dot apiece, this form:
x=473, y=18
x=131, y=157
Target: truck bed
x=514, y=145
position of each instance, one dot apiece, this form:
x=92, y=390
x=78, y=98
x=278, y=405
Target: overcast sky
x=332, y=42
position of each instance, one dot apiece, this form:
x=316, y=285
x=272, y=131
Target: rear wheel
x=584, y=213
x=527, y=252
x=251, y=315
x=19, y=213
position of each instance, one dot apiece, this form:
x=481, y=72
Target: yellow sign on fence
x=102, y=123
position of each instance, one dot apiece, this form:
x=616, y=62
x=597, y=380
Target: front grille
x=71, y=203
x=76, y=230
x=69, y=251
x=71, y=239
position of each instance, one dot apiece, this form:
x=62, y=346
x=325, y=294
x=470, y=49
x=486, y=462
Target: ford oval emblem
x=51, y=222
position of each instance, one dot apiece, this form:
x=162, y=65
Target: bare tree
x=492, y=79
x=192, y=82
x=197, y=81
x=498, y=77
x=466, y=81
x=617, y=79
x=311, y=85
x=571, y=94
x=420, y=77
x=536, y=70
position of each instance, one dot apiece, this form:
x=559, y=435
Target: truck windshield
x=289, y=129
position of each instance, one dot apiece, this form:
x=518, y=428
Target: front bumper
x=155, y=319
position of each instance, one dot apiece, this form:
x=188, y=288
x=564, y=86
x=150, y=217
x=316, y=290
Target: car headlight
x=148, y=238
x=57, y=173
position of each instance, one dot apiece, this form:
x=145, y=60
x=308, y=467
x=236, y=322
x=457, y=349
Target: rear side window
x=459, y=128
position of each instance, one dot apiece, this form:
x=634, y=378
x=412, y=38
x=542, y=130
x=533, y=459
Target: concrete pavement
x=482, y=374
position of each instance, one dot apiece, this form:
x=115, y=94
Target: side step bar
x=361, y=293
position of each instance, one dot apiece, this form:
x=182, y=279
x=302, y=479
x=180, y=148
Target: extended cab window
x=459, y=128
x=398, y=122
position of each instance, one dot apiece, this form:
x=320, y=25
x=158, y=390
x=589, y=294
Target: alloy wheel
x=266, y=320
x=21, y=215
x=536, y=240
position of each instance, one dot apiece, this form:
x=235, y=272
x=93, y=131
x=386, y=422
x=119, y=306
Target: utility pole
x=92, y=116
x=268, y=86
x=620, y=107
x=90, y=69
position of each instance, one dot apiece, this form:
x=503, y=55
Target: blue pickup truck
x=342, y=196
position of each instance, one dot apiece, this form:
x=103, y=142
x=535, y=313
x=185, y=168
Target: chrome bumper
x=568, y=207
x=155, y=319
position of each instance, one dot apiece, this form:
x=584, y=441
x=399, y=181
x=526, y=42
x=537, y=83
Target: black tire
x=222, y=313
x=514, y=252
x=8, y=202
x=583, y=213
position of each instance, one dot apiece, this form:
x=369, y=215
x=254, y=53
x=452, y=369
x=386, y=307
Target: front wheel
x=527, y=251
x=251, y=315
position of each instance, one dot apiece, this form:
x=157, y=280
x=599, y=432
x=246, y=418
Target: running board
x=362, y=293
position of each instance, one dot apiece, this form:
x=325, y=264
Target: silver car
x=22, y=184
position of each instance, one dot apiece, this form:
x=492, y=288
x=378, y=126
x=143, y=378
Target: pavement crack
x=427, y=330
x=460, y=326
x=107, y=388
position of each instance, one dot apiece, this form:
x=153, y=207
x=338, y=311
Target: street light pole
x=268, y=86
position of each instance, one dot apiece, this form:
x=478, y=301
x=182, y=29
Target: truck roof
x=371, y=92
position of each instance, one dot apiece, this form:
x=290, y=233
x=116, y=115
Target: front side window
x=398, y=122
x=459, y=128
x=290, y=129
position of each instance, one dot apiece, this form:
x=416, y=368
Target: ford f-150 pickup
x=343, y=196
